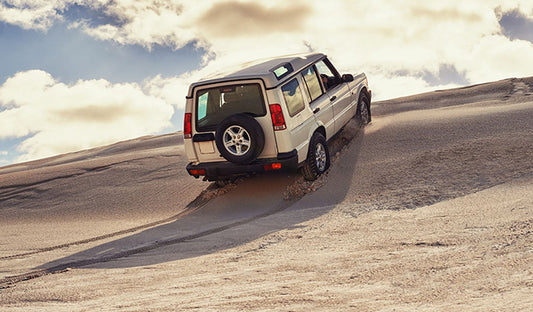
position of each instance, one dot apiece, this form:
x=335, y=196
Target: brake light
x=187, y=126
x=278, y=121
x=273, y=166
x=197, y=172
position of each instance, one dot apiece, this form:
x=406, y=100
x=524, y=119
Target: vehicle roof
x=261, y=69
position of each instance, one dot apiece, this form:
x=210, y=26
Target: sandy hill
x=428, y=208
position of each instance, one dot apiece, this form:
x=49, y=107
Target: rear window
x=215, y=104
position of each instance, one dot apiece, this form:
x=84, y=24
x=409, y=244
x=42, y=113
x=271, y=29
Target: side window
x=202, y=105
x=312, y=83
x=328, y=78
x=293, y=97
x=282, y=70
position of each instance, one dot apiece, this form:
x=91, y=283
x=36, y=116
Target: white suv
x=271, y=114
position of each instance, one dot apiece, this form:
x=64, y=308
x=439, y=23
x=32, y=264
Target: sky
x=76, y=74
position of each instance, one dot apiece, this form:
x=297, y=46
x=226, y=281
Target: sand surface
x=428, y=208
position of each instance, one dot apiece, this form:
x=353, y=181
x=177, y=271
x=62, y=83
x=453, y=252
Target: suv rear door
x=320, y=104
x=214, y=103
x=300, y=119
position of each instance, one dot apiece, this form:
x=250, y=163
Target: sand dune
x=428, y=208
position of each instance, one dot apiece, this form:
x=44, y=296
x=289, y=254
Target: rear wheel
x=317, y=161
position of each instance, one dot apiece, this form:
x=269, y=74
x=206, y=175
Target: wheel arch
x=365, y=91
x=320, y=129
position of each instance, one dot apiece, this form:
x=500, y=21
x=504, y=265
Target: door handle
x=333, y=98
x=316, y=110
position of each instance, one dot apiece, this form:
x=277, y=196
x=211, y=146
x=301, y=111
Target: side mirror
x=347, y=77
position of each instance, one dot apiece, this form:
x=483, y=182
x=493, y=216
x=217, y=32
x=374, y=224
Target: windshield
x=215, y=104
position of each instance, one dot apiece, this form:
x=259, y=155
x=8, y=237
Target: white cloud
x=394, y=86
x=34, y=14
x=144, y=23
x=524, y=6
x=495, y=57
x=380, y=37
x=391, y=40
x=172, y=90
x=61, y=118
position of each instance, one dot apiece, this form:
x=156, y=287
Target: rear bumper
x=225, y=169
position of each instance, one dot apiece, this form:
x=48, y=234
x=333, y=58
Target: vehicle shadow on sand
x=246, y=212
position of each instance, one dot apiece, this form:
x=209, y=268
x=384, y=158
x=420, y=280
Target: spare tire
x=240, y=138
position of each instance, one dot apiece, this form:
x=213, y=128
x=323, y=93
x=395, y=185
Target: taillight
x=273, y=166
x=187, y=126
x=197, y=172
x=277, y=117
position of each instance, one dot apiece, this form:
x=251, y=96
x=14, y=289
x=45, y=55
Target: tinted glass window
x=312, y=83
x=328, y=78
x=202, y=105
x=293, y=97
x=282, y=70
x=215, y=104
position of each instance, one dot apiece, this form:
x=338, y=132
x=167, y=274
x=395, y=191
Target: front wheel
x=363, y=110
x=317, y=161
